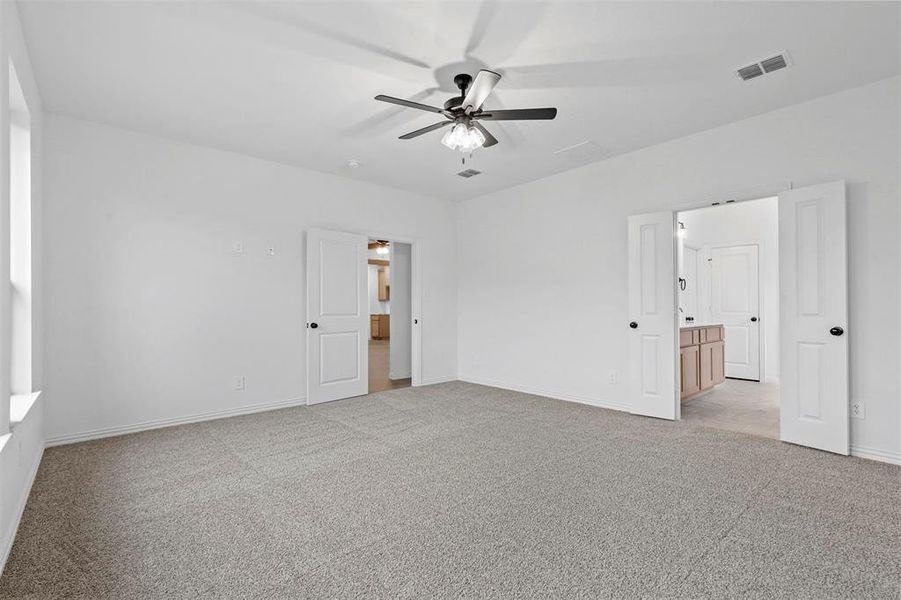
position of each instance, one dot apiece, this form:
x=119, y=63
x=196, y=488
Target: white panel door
x=337, y=316
x=734, y=302
x=652, y=313
x=813, y=281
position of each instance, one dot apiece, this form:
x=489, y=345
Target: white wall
x=753, y=222
x=401, y=277
x=22, y=447
x=555, y=321
x=151, y=313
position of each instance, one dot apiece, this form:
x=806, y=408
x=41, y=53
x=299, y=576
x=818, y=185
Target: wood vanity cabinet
x=380, y=326
x=701, y=359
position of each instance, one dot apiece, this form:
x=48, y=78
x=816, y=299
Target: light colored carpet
x=736, y=405
x=455, y=490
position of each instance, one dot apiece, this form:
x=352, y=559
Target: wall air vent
x=467, y=173
x=768, y=65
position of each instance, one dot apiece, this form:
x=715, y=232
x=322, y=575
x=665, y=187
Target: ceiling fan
x=465, y=111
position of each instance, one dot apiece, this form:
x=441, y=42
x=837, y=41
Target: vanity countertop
x=697, y=324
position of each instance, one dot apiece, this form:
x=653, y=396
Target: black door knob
x=753, y=319
x=633, y=325
x=314, y=325
x=836, y=331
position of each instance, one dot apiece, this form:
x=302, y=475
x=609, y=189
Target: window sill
x=19, y=407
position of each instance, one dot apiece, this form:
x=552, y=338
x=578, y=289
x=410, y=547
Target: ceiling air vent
x=750, y=72
x=467, y=173
x=768, y=65
x=774, y=64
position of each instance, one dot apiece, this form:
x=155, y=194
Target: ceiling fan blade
x=490, y=140
x=410, y=104
x=518, y=114
x=419, y=132
x=479, y=90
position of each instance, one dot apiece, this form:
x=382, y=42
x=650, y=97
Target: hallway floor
x=379, y=367
x=737, y=405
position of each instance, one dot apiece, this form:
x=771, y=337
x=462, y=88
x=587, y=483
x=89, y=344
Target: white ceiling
x=294, y=82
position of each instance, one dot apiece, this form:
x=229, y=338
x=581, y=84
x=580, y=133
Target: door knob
x=753, y=319
x=836, y=331
x=314, y=325
x=633, y=325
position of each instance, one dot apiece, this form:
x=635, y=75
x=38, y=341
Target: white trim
x=6, y=545
x=396, y=376
x=97, y=434
x=893, y=458
x=434, y=380
x=771, y=380
x=620, y=406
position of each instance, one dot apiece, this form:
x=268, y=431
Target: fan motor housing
x=454, y=103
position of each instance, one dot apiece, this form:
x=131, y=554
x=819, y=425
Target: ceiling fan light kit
x=463, y=112
x=463, y=138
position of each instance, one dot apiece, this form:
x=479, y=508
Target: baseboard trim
x=395, y=377
x=96, y=434
x=435, y=380
x=6, y=545
x=548, y=393
x=893, y=458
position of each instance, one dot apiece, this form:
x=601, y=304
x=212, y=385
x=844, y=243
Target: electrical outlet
x=611, y=378
x=239, y=383
x=858, y=409
x=238, y=248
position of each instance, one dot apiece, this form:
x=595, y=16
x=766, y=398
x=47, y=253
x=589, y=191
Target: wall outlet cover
x=239, y=382
x=858, y=409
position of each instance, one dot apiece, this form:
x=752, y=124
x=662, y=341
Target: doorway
x=728, y=273
x=668, y=365
x=390, y=315
x=339, y=313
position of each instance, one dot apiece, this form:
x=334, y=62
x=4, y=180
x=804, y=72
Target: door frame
x=693, y=205
x=415, y=301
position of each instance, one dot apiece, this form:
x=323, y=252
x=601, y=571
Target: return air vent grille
x=750, y=72
x=774, y=63
x=467, y=173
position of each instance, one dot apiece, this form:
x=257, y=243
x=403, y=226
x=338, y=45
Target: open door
x=337, y=316
x=813, y=279
x=652, y=310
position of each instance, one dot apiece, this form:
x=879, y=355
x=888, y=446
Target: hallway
x=379, y=366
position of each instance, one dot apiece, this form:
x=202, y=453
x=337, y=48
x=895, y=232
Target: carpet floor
x=455, y=490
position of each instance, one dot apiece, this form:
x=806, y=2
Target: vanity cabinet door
x=706, y=360
x=717, y=362
x=688, y=360
x=713, y=365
